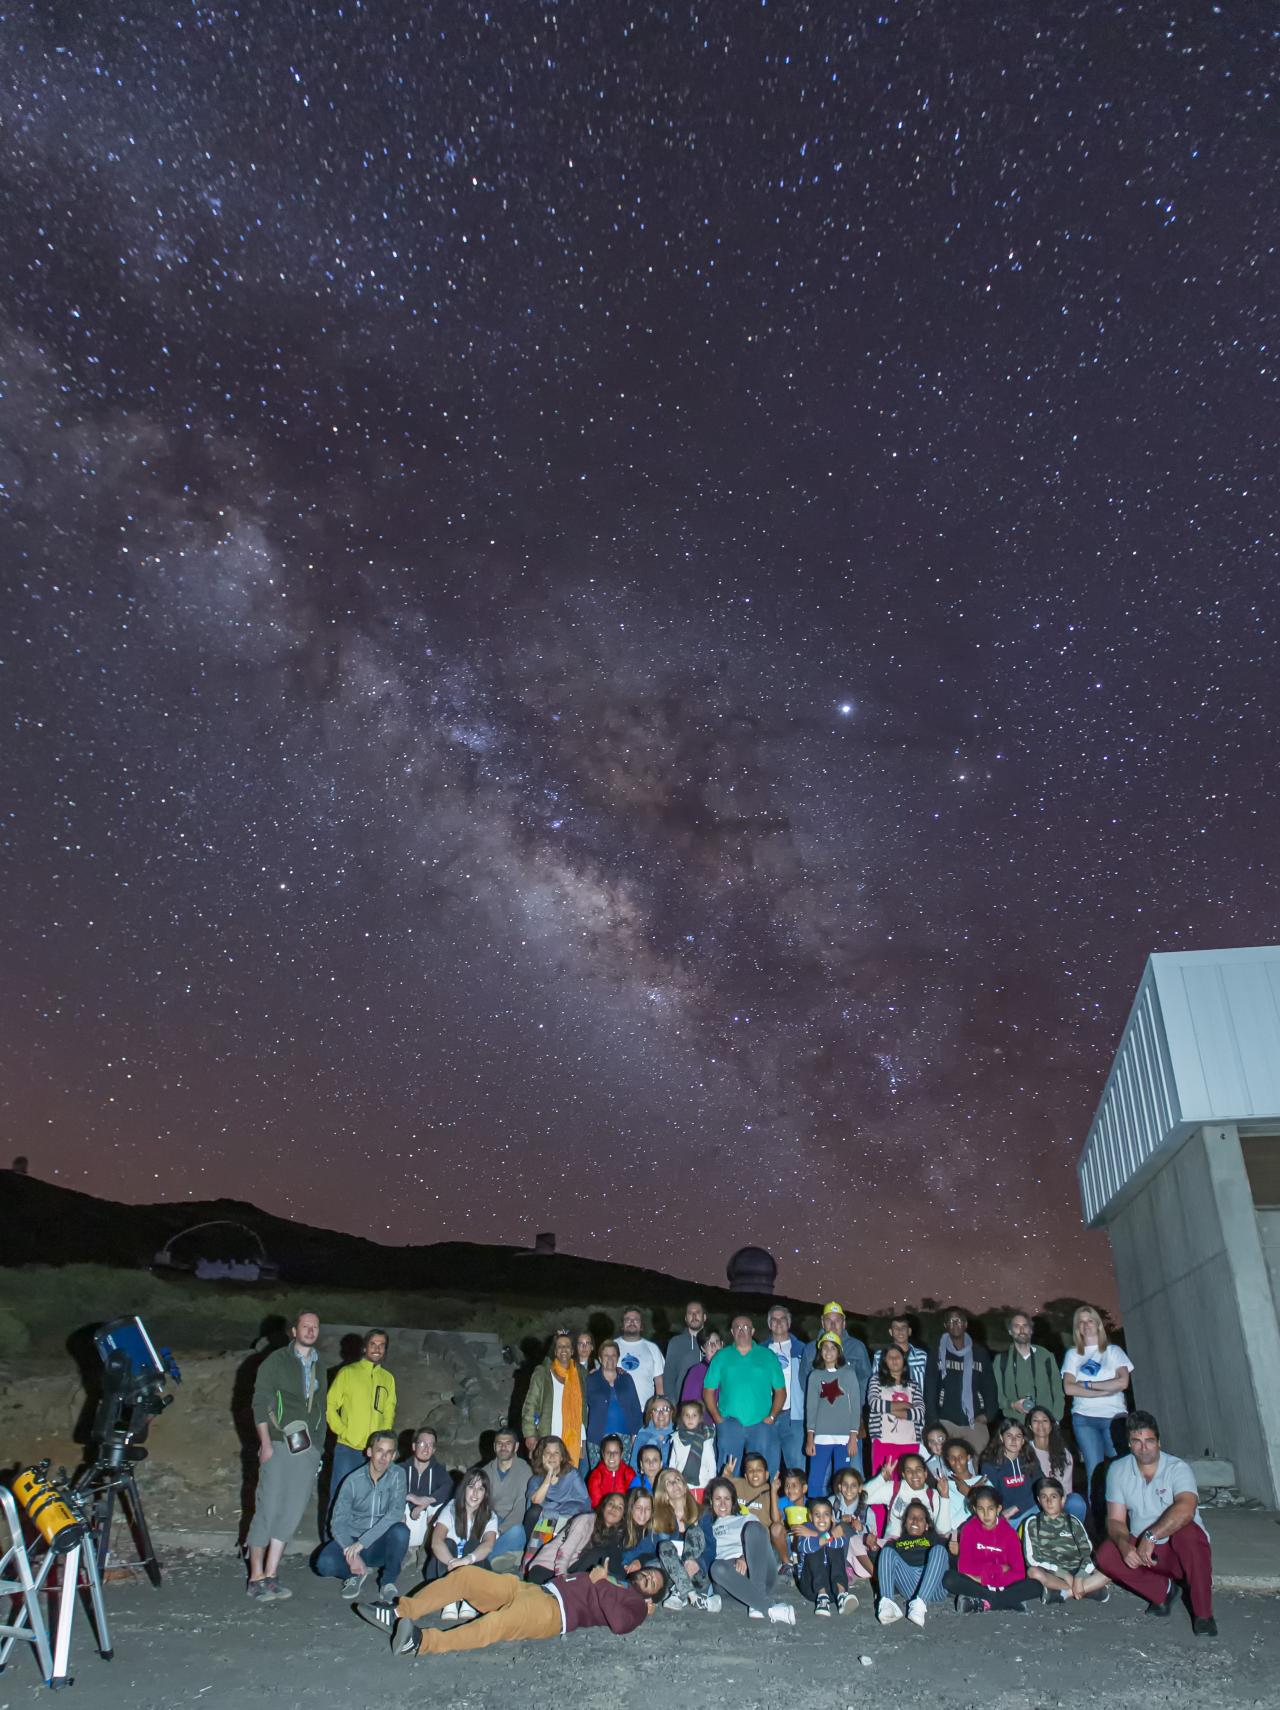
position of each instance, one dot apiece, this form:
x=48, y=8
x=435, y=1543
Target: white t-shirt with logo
x=1093, y=1364
x=644, y=1362
x=783, y=1352
x=727, y=1530
x=448, y=1519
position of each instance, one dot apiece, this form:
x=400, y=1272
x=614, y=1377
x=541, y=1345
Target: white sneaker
x=782, y=1614
x=466, y=1612
x=673, y=1600
x=711, y=1603
x=449, y=1612
x=756, y=1614
x=916, y=1611
x=888, y=1612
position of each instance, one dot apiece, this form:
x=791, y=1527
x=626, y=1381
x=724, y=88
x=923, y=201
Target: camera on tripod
x=134, y=1373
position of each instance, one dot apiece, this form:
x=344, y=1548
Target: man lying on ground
x=513, y=1609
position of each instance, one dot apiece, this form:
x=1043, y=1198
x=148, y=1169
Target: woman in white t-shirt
x=1095, y=1375
x=465, y=1531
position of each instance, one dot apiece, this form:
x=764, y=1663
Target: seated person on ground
x=682, y=1544
x=1011, y=1470
x=465, y=1529
x=758, y=1495
x=428, y=1486
x=1058, y=1551
x=638, y=1543
x=902, y=1482
x=564, y=1553
x=369, y=1533
x=911, y=1568
x=508, y=1479
x=853, y=1512
x=820, y=1546
x=610, y=1472
x=555, y=1493
x=990, y=1572
x=649, y=1462
x=740, y=1558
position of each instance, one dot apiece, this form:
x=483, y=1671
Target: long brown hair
x=633, y=1533
x=472, y=1534
x=665, y=1518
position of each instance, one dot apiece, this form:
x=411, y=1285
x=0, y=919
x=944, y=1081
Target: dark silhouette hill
x=42, y=1223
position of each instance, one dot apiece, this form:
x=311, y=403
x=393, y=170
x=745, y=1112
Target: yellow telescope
x=43, y=1504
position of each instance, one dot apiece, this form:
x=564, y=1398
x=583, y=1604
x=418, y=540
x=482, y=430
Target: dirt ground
x=198, y=1641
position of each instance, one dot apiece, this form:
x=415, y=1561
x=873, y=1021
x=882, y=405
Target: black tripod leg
x=104, y=1508
x=131, y=1502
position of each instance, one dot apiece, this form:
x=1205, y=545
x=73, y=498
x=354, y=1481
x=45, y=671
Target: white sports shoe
x=888, y=1612
x=449, y=1612
x=782, y=1614
x=916, y=1611
x=756, y=1614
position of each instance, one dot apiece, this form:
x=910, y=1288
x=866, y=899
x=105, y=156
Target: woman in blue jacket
x=613, y=1405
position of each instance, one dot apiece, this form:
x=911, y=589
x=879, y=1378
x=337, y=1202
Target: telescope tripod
x=108, y=1481
x=23, y=1577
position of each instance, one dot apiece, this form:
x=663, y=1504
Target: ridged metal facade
x=1202, y=1045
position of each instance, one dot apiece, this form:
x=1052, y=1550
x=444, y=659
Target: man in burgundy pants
x=1155, y=1542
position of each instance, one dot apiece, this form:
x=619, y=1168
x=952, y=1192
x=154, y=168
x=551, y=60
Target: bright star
x=845, y=708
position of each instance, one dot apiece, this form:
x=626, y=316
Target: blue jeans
x=736, y=1440
x=791, y=1442
x=903, y=1583
x=1096, y=1445
x=510, y=1542
x=827, y=1460
x=386, y=1552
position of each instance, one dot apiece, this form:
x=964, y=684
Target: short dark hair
x=1139, y=1420
x=370, y=1334
x=611, y=1438
x=819, y=1501
x=1050, y=1484
x=378, y=1436
x=754, y=1456
x=652, y=1567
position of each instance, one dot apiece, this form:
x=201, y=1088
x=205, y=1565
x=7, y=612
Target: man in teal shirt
x=741, y=1393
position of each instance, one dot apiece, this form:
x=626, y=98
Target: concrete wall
x=1199, y=1314
x=1269, y=1234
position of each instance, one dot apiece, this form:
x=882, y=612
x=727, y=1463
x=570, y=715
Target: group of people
x=719, y=1471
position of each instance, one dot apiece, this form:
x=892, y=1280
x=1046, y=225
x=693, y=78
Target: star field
x=629, y=619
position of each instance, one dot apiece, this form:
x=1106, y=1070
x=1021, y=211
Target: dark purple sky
x=629, y=619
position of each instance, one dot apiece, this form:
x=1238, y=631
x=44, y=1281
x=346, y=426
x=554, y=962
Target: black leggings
x=999, y=1597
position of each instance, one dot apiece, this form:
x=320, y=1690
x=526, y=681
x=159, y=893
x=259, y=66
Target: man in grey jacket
x=369, y=1533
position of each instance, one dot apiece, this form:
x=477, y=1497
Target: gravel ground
x=198, y=1641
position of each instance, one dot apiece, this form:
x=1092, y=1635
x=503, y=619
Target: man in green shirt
x=742, y=1395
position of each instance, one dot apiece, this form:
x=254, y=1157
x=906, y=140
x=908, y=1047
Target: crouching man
x=369, y=1532
x=1156, y=1543
x=512, y=1609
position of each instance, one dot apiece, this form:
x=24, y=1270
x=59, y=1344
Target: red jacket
x=993, y=1557
x=588, y=1602
x=601, y=1482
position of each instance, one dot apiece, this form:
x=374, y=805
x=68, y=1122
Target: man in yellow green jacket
x=362, y=1400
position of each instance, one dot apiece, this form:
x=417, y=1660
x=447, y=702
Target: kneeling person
x=512, y=1609
x=368, y=1526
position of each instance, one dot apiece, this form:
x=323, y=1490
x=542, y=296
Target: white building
x=1182, y=1167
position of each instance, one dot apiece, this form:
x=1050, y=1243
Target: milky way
x=629, y=619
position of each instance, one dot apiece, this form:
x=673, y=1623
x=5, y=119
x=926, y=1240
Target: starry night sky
x=629, y=618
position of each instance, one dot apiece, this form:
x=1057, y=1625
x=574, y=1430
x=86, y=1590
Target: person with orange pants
x=512, y=1609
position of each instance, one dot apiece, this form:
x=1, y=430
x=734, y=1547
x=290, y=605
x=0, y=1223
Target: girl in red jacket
x=990, y=1572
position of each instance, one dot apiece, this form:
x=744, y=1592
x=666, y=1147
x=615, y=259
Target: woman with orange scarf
x=555, y=1405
